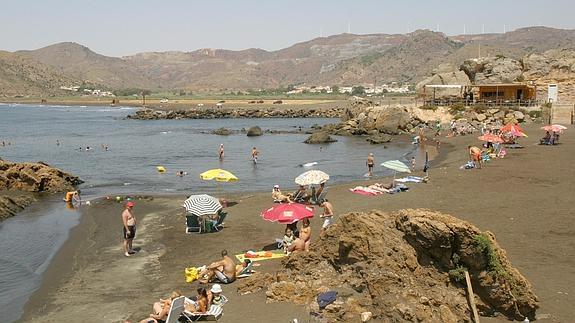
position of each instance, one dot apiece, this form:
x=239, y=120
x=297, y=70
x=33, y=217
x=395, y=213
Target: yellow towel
x=262, y=256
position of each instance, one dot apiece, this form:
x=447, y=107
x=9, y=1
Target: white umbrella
x=312, y=177
x=397, y=166
x=202, y=204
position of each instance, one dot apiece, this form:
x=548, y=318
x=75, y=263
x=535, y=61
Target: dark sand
x=525, y=199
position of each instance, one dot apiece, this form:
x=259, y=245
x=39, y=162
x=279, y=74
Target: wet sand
x=525, y=199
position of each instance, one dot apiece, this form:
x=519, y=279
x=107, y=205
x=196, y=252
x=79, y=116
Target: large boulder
x=35, y=177
x=390, y=120
x=254, y=131
x=396, y=267
x=488, y=70
x=444, y=74
x=319, y=138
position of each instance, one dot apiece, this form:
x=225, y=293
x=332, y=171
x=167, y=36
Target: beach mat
x=261, y=255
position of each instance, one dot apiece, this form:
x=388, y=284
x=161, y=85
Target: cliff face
x=18, y=178
x=402, y=267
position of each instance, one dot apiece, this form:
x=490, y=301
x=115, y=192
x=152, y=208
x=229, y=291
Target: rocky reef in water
x=228, y=112
x=19, y=180
x=405, y=266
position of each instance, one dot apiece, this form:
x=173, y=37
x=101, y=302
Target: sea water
x=59, y=136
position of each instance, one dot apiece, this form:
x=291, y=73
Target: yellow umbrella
x=219, y=175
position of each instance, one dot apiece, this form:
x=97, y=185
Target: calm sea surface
x=29, y=241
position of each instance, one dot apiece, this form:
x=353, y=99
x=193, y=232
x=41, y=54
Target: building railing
x=489, y=103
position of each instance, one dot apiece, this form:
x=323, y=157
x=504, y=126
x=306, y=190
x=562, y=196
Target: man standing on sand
x=129, y=221
x=221, y=151
x=224, y=270
x=370, y=163
x=327, y=215
x=475, y=155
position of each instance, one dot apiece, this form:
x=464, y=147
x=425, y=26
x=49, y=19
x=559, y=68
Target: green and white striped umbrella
x=397, y=166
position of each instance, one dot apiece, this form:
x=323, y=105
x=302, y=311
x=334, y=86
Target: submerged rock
x=254, y=131
x=222, y=132
x=319, y=138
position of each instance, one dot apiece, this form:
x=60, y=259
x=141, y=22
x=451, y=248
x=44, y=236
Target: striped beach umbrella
x=396, y=166
x=202, y=204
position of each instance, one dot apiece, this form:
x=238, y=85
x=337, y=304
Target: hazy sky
x=124, y=27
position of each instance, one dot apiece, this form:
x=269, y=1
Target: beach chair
x=220, y=223
x=213, y=314
x=176, y=309
x=247, y=271
x=298, y=197
x=318, y=199
x=193, y=224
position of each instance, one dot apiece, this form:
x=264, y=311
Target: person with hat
x=215, y=296
x=279, y=197
x=129, y=221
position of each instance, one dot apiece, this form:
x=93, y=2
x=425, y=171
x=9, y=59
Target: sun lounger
x=247, y=271
x=176, y=309
x=193, y=224
x=213, y=314
x=220, y=223
x=318, y=199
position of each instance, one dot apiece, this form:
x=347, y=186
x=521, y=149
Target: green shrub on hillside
x=428, y=107
x=456, y=108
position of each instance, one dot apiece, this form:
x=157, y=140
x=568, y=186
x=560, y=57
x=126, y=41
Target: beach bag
x=191, y=274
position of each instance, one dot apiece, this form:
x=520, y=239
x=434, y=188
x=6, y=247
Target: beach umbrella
x=287, y=213
x=554, y=128
x=490, y=138
x=219, y=175
x=396, y=166
x=511, y=127
x=312, y=177
x=202, y=204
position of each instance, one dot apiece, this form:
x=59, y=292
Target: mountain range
x=344, y=59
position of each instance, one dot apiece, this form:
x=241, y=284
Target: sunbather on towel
x=277, y=195
x=223, y=270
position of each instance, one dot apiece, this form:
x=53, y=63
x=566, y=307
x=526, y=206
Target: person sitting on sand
x=305, y=233
x=200, y=304
x=215, y=296
x=278, y=196
x=297, y=245
x=288, y=239
x=161, y=309
x=301, y=195
x=224, y=270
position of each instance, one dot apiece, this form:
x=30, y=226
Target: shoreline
x=535, y=232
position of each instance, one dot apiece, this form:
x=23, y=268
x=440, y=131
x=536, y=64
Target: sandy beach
x=525, y=199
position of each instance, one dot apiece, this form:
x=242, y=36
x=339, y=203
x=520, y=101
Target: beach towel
x=363, y=190
x=469, y=165
x=410, y=179
x=260, y=255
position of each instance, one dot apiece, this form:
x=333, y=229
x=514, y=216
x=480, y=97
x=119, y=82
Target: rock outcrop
x=229, y=112
x=487, y=70
x=222, y=132
x=319, y=138
x=18, y=178
x=35, y=177
x=254, y=131
x=405, y=266
x=445, y=74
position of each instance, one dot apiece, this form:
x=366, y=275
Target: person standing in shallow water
x=370, y=163
x=129, y=221
x=221, y=151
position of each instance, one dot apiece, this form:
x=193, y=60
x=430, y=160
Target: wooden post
x=471, y=297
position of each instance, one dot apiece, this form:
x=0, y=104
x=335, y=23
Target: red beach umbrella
x=510, y=127
x=287, y=213
x=490, y=138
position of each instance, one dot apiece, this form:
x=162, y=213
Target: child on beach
x=327, y=215
x=412, y=163
x=288, y=239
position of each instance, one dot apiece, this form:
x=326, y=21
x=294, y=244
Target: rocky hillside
x=403, y=267
x=553, y=66
x=20, y=75
x=344, y=59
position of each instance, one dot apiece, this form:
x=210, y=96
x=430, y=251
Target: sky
x=126, y=27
